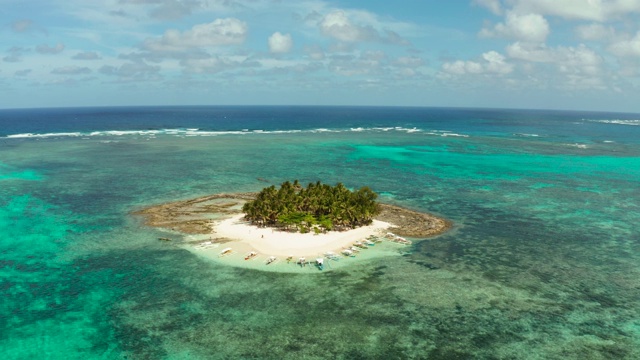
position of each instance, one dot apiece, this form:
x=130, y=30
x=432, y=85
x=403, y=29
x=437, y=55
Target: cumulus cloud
x=579, y=67
x=338, y=25
x=491, y=63
x=219, y=32
x=87, y=55
x=46, y=49
x=627, y=47
x=527, y=27
x=595, y=32
x=594, y=10
x=279, y=43
x=493, y=5
x=71, y=70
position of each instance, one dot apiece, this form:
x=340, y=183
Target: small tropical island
x=318, y=207
x=291, y=225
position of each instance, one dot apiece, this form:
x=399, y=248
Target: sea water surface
x=543, y=261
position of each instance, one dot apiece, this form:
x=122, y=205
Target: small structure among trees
x=318, y=207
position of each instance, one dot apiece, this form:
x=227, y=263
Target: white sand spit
x=279, y=243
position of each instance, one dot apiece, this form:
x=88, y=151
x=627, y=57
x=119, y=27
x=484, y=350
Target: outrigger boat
x=399, y=239
x=320, y=263
x=369, y=242
x=271, y=259
x=302, y=261
x=226, y=251
x=360, y=245
x=204, y=245
x=289, y=258
x=348, y=252
x=331, y=256
x=250, y=255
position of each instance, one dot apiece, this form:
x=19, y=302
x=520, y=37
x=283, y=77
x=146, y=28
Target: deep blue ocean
x=543, y=261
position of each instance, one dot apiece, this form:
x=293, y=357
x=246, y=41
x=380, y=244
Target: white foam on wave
x=193, y=132
x=446, y=133
x=618, y=122
x=46, y=135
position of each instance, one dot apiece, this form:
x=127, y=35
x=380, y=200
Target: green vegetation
x=318, y=207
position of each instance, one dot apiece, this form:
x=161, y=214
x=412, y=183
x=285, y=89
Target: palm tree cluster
x=318, y=207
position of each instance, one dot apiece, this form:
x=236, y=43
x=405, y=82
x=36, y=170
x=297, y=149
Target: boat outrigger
x=320, y=263
x=302, y=261
x=331, y=256
x=251, y=255
x=271, y=259
x=226, y=251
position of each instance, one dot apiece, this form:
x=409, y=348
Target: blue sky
x=549, y=54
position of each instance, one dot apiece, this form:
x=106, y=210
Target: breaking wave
x=618, y=122
x=189, y=132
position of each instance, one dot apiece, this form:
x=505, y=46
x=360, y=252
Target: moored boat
x=347, y=252
x=226, y=251
x=251, y=255
x=271, y=259
x=320, y=263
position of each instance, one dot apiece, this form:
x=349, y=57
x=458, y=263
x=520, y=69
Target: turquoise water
x=543, y=261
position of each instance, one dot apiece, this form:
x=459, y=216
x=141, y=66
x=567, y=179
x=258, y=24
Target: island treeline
x=318, y=207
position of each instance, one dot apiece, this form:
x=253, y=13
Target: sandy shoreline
x=212, y=223
x=279, y=243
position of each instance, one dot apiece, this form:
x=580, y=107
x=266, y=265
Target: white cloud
x=580, y=56
x=280, y=43
x=409, y=61
x=521, y=27
x=340, y=25
x=594, y=10
x=337, y=25
x=314, y=52
x=209, y=65
x=219, y=32
x=46, y=49
x=627, y=47
x=595, y=32
x=493, y=5
x=575, y=67
x=491, y=63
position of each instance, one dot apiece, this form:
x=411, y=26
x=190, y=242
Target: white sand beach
x=279, y=243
